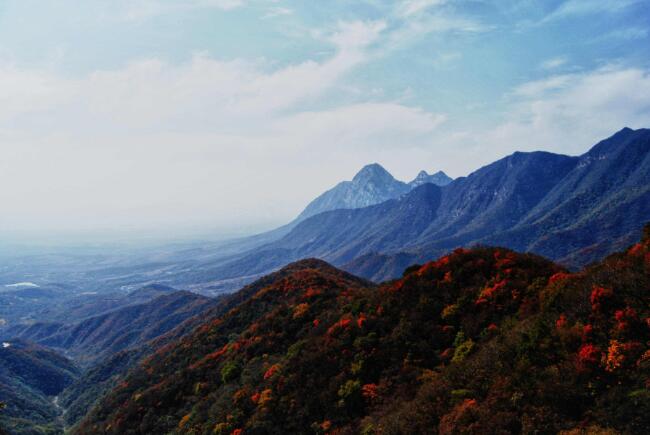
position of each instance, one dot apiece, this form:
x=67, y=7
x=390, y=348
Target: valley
x=83, y=331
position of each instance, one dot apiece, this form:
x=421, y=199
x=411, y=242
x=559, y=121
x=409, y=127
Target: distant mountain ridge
x=98, y=337
x=570, y=209
x=371, y=185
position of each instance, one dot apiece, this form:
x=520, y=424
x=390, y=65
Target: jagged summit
x=439, y=179
x=371, y=185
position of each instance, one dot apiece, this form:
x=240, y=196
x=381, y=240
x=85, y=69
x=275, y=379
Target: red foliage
x=636, y=250
x=361, y=320
x=341, y=324
x=588, y=356
x=599, y=296
x=369, y=391
x=237, y=432
x=456, y=420
x=271, y=371
x=504, y=260
x=316, y=322
x=558, y=277
x=447, y=354
x=561, y=322
x=625, y=318
x=255, y=397
x=492, y=327
x=587, y=332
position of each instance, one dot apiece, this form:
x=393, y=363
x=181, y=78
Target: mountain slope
x=79, y=397
x=480, y=341
x=598, y=205
x=98, y=337
x=29, y=376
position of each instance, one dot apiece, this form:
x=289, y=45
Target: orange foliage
x=490, y=291
x=615, y=356
x=265, y=397
x=183, y=421
x=311, y=292
x=300, y=310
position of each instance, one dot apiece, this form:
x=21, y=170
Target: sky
x=229, y=116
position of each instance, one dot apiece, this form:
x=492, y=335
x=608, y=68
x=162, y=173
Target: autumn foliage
x=480, y=341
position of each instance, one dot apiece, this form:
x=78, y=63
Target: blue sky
x=232, y=114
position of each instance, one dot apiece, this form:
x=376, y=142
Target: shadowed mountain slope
x=30, y=376
x=98, y=337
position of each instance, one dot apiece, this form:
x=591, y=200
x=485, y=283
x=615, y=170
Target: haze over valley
x=246, y=217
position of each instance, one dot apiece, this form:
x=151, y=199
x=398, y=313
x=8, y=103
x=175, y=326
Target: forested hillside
x=480, y=341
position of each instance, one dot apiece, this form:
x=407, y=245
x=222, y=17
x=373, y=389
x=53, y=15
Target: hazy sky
x=227, y=114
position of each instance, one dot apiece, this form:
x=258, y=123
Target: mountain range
x=483, y=340
x=314, y=348
x=573, y=210
x=96, y=338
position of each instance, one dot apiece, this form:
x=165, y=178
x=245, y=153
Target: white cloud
x=554, y=63
x=539, y=87
x=409, y=8
x=277, y=11
x=206, y=142
x=357, y=34
x=565, y=114
x=585, y=7
x=143, y=9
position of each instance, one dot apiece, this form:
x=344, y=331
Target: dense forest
x=480, y=341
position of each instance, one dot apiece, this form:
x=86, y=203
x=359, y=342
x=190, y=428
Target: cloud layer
x=218, y=142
